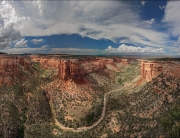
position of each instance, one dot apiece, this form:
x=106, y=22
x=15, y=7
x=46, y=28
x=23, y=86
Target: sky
x=90, y=27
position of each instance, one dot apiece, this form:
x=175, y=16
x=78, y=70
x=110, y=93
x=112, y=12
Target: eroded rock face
x=46, y=62
x=150, y=70
x=75, y=69
x=71, y=69
x=11, y=68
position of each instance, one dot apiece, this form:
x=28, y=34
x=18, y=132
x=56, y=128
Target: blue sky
x=90, y=27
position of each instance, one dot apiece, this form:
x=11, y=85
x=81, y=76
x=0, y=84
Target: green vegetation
x=24, y=105
x=128, y=73
x=141, y=111
x=171, y=122
x=90, y=118
x=120, y=81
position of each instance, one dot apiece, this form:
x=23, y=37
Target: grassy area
x=128, y=74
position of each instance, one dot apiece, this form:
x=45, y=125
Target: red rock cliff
x=46, y=62
x=75, y=69
x=71, y=69
x=151, y=69
x=11, y=68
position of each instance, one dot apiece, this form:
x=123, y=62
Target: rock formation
x=71, y=69
x=46, y=62
x=11, y=67
x=151, y=69
x=75, y=69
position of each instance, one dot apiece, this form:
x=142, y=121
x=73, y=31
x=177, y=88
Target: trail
x=80, y=129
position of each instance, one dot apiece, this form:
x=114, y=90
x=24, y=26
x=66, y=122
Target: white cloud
x=93, y=19
x=143, y=3
x=10, y=24
x=162, y=7
x=171, y=17
x=37, y=41
x=132, y=49
x=150, y=21
x=44, y=46
x=97, y=20
x=21, y=43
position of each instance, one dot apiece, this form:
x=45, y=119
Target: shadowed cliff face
x=11, y=68
x=150, y=69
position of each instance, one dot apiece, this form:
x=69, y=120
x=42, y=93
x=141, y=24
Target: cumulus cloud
x=21, y=43
x=7, y=35
x=96, y=20
x=10, y=24
x=132, y=49
x=37, y=41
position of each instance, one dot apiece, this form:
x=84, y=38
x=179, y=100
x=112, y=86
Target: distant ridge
x=2, y=53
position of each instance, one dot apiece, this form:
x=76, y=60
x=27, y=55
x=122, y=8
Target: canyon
x=75, y=69
x=74, y=93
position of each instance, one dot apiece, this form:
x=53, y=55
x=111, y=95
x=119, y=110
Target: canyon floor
x=112, y=102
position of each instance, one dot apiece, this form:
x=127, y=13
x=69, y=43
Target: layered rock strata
x=151, y=69
x=75, y=69
x=11, y=67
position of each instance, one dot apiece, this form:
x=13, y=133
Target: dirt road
x=61, y=126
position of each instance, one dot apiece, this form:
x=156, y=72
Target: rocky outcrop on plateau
x=151, y=69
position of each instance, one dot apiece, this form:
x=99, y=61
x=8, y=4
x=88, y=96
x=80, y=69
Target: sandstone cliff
x=11, y=68
x=46, y=62
x=75, y=69
x=151, y=69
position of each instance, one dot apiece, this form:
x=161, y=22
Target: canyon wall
x=151, y=69
x=11, y=68
x=75, y=69
x=46, y=62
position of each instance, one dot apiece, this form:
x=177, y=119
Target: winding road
x=80, y=129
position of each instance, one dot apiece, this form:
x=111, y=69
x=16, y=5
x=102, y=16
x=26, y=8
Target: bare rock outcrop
x=71, y=69
x=151, y=69
x=46, y=62
x=11, y=68
x=75, y=69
